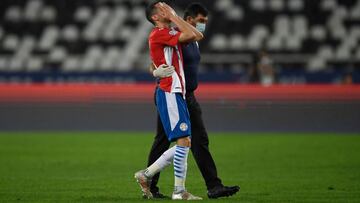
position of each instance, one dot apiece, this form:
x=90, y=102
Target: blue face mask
x=201, y=27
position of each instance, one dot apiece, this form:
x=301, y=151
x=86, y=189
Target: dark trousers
x=199, y=146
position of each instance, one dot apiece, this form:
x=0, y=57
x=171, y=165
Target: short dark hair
x=149, y=11
x=194, y=9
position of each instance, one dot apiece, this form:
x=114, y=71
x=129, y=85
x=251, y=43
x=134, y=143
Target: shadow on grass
x=103, y=198
x=258, y=197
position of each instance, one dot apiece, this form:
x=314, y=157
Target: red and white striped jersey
x=166, y=49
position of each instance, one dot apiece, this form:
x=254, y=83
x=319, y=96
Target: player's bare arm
x=199, y=35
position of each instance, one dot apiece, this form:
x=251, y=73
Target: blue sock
x=180, y=167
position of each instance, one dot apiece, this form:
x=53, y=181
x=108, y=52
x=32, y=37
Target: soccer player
x=196, y=15
x=165, y=48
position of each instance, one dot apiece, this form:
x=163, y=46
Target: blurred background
x=267, y=65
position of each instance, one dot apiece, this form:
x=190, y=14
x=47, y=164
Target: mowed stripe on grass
x=94, y=167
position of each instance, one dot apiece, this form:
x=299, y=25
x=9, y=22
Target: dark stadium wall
x=226, y=107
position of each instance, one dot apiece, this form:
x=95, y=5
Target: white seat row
x=277, y=5
x=35, y=10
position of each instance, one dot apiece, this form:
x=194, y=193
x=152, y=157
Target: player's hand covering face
x=165, y=10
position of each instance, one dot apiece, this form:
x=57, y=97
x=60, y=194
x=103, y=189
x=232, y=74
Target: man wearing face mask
x=197, y=15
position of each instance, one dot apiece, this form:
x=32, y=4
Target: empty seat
x=219, y=42
x=300, y=26
x=235, y=13
x=274, y=43
x=318, y=32
x=316, y=64
x=339, y=32
x=276, y=5
x=138, y=13
x=3, y=63
x=13, y=14
x=33, y=10
x=15, y=64
x=343, y=53
x=11, y=42
x=48, y=14
x=254, y=42
x=49, y=38
x=224, y=5
x=326, y=52
x=261, y=31
x=88, y=64
x=341, y=12
x=355, y=12
x=293, y=43
x=295, y=5
x=258, y=5
x=70, y=33
x=328, y=5
x=57, y=55
x=357, y=54
x=34, y=64
x=237, y=42
x=83, y=14
x=71, y=64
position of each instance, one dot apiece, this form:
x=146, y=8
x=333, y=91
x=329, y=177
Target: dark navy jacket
x=191, y=57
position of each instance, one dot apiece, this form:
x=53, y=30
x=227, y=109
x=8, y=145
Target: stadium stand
x=290, y=31
x=71, y=35
x=82, y=36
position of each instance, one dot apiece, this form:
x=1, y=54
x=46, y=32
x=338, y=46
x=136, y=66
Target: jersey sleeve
x=166, y=36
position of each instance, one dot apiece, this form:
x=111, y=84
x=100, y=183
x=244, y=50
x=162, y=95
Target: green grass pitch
x=99, y=167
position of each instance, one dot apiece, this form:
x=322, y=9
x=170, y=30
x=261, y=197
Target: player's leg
x=181, y=132
x=180, y=163
x=180, y=170
x=144, y=177
x=165, y=158
x=202, y=155
x=176, y=121
x=162, y=162
x=160, y=145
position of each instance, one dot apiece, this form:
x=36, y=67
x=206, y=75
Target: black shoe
x=222, y=191
x=158, y=195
